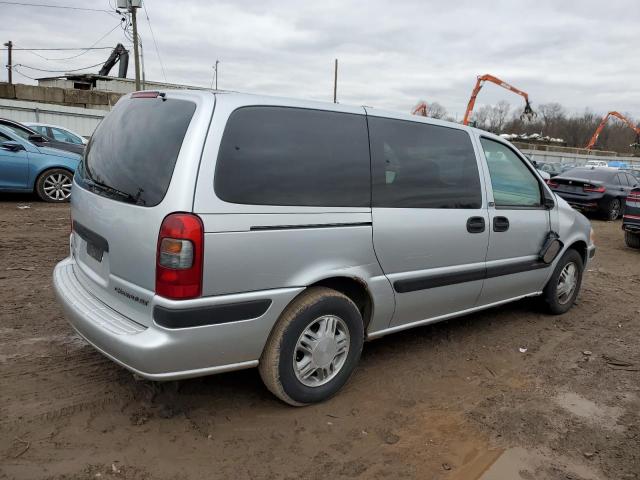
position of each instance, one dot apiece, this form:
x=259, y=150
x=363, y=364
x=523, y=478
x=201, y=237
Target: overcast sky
x=582, y=53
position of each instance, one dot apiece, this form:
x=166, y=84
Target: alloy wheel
x=57, y=186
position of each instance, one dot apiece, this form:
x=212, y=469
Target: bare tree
x=481, y=116
x=498, y=116
x=435, y=110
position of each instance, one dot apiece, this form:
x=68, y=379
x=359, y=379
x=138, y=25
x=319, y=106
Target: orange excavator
x=528, y=113
x=420, y=109
x=598, y=131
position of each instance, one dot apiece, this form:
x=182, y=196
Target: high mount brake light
x=179, y=257
x=148, y=94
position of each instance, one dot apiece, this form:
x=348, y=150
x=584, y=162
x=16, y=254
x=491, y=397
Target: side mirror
x=12, y=146
x=36, y=137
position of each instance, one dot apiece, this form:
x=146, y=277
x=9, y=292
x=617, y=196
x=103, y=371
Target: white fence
x=81, y=120
x=575, y=158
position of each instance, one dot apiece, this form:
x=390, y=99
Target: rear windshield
x=589, y=174
x=132, y=153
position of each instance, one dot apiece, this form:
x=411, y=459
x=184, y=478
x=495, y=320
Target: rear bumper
x=631, y=221
x=159, y=353
x=581, y=202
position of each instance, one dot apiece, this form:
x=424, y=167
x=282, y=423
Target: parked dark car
x=38, y=139
x=602, y=190
x=633, y=171
x=631, y=219
x=552, y=168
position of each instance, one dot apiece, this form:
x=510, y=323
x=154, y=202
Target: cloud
x=578, y=53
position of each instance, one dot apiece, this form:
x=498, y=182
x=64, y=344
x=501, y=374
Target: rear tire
x=54, y=185
x=303, y=362
x=632, y=239
x=563, y=287
x=613, y=209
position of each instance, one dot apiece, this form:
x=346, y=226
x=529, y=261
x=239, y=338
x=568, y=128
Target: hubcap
x=321, y=351
x=57, y=186
x=567, y=282
x=615, y=210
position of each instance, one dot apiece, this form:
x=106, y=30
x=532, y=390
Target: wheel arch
x=579, y=246
x=46, y=169
x=353, y=287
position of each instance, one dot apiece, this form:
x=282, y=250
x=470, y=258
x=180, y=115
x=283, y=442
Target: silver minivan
x=217, y=231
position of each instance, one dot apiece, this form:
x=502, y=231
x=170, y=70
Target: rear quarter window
x=418, y=165
x=294, y=156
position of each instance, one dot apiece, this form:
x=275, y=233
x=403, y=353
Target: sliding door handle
x=475, y=225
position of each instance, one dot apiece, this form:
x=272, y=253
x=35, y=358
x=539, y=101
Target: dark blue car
x=25, y=167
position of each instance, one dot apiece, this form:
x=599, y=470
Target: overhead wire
x=164, y=74
x=55, y=71
x=81, y=53
x=58, y=49
x=66, y=7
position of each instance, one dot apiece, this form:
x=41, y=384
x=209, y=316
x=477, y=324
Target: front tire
x=632, y=239
x=313, y=348
x=563, y=287
x=55, y=185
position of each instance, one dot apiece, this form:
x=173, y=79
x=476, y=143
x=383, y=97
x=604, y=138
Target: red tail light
x=179, y=257
x=594, y=188
x=551, y=183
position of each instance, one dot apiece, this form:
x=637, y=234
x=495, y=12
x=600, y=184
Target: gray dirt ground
x=456, y=400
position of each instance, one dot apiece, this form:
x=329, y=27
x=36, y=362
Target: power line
x=67, y=7
x=144, y=4
x=61, y=49
x=79, y=54
x=55, y=71
x=13, y=67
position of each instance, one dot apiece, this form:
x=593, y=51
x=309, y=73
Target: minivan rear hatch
x=140, y=165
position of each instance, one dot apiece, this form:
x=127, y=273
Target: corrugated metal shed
x=80, y=120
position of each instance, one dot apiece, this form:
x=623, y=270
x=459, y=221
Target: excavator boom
x=528, y=112
x=598, y=131
x=420, y=109
x=119, y=54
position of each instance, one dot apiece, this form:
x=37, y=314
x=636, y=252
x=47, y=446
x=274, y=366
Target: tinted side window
x=514, y=185
x=294, y=156
x=416, y=165
x=632, y=180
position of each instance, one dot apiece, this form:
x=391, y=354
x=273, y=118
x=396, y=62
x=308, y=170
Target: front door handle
x=500, y=224
x=475, y=225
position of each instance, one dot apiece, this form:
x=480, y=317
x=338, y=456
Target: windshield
x=132, y=154
x=22, y=132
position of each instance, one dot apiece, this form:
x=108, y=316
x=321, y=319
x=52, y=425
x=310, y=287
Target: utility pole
x=335, y=82
x=133, y=9
x=214, y=78
x=9, y=46
x=217, y=62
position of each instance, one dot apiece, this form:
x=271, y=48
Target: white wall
x=80, y=120
x=575, y=158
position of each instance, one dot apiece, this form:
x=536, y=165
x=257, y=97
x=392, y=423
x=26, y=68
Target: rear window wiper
x=135, y=199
